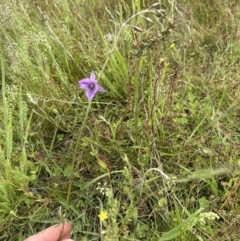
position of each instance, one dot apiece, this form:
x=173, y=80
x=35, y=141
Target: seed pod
x=148, y=19
x=154, y=5
x=109, y=38
x=161, y=13
x=138, y=29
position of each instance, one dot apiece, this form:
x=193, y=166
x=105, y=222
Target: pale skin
x=53, y=233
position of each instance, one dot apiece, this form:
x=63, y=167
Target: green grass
x=159, y=152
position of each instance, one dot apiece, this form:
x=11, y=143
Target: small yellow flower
x=103, y=215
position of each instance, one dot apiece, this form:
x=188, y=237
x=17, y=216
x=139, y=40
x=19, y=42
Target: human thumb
x=68, y=240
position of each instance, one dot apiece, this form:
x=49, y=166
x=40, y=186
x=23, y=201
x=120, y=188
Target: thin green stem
x=73, y=164
x=75, y=155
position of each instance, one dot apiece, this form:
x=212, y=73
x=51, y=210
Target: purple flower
x=91, y=86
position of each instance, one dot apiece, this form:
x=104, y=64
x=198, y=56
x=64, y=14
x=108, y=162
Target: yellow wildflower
x=103, y=215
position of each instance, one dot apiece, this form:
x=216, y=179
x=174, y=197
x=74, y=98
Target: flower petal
x=90, y=93
x=100, y=89
x=93, y=77
x=84, y=83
